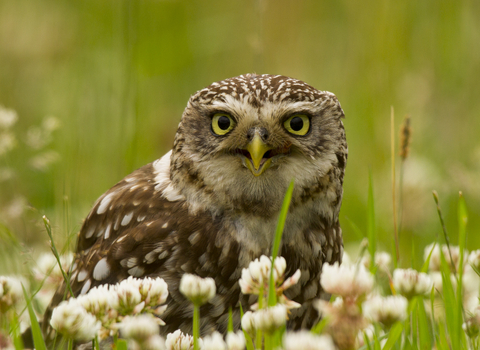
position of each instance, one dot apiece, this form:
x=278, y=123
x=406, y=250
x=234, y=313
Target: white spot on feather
x=90, y=232
x=165, y=225
x=82, y=275
x=102, y=208
x=137, y=271
x=86, y=287
x=140, y=218
x=127, y=218
x=131, y=262
x=102, y=270
x=107, y=231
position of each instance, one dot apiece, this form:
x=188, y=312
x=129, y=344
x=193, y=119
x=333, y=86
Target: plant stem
x=70, y=344
x=196, y=325
x=392, y=137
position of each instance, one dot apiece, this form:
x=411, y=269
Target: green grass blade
x=393, y=336
x=36, y=332
x=122, y=344
x=449, y=299
x=48, y=227
x=230, y=320
x=371, y=232
x=15, y=332
x=424, y=332
x=278, y=238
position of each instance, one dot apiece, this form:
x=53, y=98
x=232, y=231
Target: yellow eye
x=297, y=124
x=222, y=123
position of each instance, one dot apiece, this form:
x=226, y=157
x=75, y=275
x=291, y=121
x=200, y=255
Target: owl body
x=210, y=206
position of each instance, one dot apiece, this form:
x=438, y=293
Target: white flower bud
x=258, y=274
x=180, y=341
x=154, y=291
x=196, y=289
x=129, y=296
x=411, y=283
x=214, y=341
x=235, y=341
x=346, y=281
x=474, y=259
x=386, y=310
x=270, y=319
x=306, y=340
x=11, y=292
x=248, y=322
x=139, y=328
x=73, y=321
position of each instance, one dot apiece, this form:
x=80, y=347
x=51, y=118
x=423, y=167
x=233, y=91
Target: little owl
x=210, y=205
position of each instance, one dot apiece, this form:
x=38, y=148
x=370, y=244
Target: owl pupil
x=223, y=122
x=296, y=124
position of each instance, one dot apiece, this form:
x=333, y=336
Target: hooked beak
x=257, y=163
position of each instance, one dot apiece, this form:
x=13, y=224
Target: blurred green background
x=98, y=88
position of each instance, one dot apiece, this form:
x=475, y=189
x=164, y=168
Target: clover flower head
x=73, y=321
x=154, y=291
x=11, y=292
x=139, y=328
x=129, y=297
x=346, y=281
x=196, y=289
x=270, y=319
x=410, y=282
x=386, y=310
x=257, y=274
x=248, y=322
x=235, y=341
x=214, y=341
x=180, y=341
x=306, y=340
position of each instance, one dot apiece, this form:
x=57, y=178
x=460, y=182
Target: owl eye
x=222, y=123
x=297, y=124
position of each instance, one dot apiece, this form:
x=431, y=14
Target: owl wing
x=142, y=228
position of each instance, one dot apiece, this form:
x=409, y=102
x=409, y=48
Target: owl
x=210, y=205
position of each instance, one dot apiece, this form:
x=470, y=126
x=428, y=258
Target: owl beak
x=257, y=149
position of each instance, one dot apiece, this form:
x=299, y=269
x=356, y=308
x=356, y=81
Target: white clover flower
x=248, y=322
x=410, y=282
x=180, y=341
x=11, y=292
x=154, y=291
x=474, y=259
x=129, y=297
x=196, y=289
x=270, y=319
x=73, y=321
x=386, y=310
x=7, y=142
x=44, y=160
x=472, y=324
x=306, y=340
x=47, y=268
x=346, y=281
x=214, y=341
x=8, y=117
x=140, y=327
x=258, y=274
x=452, y=255
x=235, y=341
x=383, y=260
x=99, y=300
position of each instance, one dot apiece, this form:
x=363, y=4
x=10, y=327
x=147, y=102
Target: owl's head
x=242, y=140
